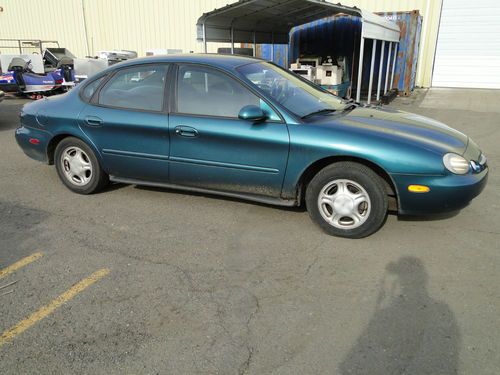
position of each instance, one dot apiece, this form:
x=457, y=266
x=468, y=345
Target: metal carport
x=270, y=22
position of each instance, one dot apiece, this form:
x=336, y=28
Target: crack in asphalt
x=245, y=366
x=315, y=259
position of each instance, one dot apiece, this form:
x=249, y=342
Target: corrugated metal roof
x=272, y=20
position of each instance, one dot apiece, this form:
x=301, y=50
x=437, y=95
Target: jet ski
x=21, y=79
x=63, y=59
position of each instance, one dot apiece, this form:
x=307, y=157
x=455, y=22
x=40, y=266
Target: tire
x=78, y=167
x=347, y=199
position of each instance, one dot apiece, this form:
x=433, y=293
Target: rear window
x=91, y=88
x=140, y=88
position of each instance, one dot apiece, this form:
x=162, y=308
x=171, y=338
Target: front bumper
x=33, y=142
x=447, y=193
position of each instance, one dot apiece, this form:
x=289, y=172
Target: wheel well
x=51, y=147
x=314, y=168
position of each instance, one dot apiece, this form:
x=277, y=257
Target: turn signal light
x=418, y=188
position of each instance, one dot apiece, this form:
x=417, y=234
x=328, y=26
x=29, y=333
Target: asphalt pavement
x=138, y=280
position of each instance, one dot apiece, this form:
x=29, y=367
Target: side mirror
x=252, y=113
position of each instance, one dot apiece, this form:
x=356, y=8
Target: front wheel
x=78, y=167
x=347, y=199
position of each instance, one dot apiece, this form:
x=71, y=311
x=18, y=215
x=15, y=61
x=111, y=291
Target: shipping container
x=280, y=55
x=410, y=24
x=264, y=51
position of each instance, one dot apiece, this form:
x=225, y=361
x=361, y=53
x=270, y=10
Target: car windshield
x=296, y=95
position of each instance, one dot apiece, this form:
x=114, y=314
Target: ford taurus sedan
x=246, y=128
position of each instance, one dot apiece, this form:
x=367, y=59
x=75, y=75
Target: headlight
x=456, y=163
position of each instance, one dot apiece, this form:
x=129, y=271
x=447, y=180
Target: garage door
x=468, y=46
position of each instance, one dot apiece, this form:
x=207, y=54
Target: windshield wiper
x=323, y=111
x=349, y=107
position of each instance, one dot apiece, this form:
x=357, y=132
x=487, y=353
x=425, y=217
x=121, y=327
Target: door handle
x=93, y=121
x=185, y=131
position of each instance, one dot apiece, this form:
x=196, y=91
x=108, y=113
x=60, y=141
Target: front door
x=128, y=122
x=212, y=148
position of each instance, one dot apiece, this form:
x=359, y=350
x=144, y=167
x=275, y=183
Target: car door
x=127, y=119
x=212, y=148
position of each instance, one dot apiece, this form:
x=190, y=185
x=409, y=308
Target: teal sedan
x=246, y=128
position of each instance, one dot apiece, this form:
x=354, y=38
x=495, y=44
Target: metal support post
x=372, y=66
x=272, y=46
x=381, y=65
x=360, y=69
x=254, y=46
x=394, y=64
x=232, y=41
x=387, y=69
x=204, y=38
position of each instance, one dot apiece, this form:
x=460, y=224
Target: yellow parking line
x=19, y=264
x=43, y=312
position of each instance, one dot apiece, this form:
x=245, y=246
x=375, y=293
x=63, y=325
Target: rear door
x=127, y=119
x=212, y=148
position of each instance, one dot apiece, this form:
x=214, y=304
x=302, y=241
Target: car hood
x=404, y=127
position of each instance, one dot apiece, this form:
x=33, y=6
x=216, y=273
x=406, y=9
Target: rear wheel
x=347, y=199
x=78, y=168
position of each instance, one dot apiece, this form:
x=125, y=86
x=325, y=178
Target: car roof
x=225, y=61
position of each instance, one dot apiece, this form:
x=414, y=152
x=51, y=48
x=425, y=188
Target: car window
x=205, y=91
x=140, y=87
x=90, y=89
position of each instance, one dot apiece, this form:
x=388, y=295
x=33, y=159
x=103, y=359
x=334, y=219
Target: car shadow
x=112, y=187
x=409, y=332
x=219, y=197
x=434, y=217
x=302, y=208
